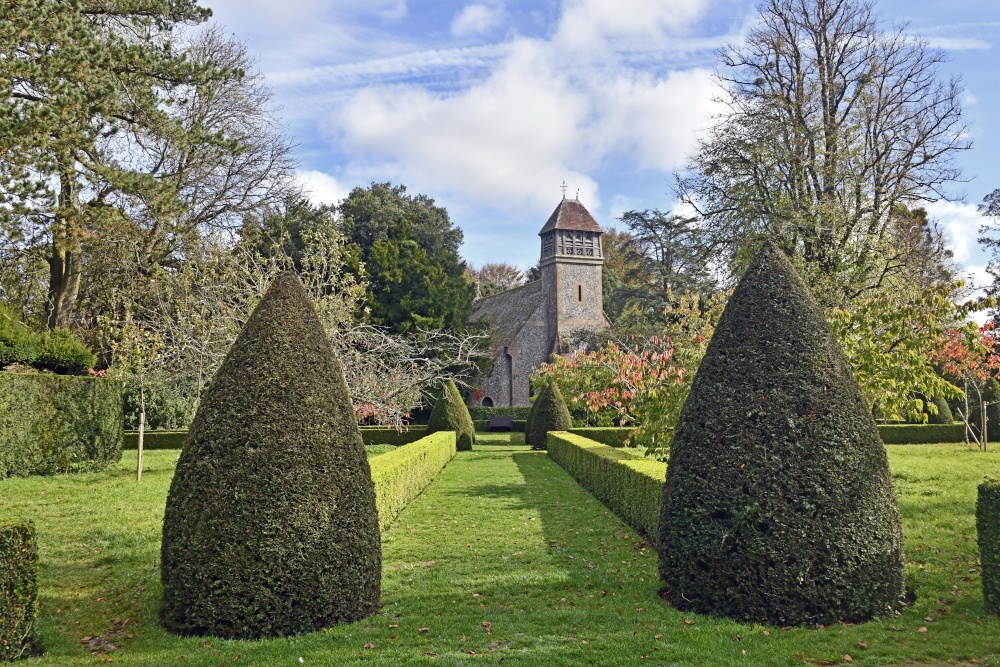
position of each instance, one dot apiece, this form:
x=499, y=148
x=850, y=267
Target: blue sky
x=489, y=105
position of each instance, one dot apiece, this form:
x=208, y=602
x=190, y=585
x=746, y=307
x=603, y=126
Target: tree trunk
x=66, y=260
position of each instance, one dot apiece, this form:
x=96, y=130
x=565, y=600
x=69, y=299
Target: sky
x=488, y=106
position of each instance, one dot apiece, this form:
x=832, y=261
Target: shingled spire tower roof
x=571, y=214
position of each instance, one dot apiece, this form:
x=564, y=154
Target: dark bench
x=500, y=424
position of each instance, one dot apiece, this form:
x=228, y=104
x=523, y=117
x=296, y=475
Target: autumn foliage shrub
x=778, y=504
x=630, y=486
x=450, y=414
x=18, y=590
x=399, y=476
x=548, y=413
x=270, y=527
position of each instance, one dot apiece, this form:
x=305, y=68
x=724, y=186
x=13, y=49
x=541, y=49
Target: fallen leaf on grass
x=848, y=658
x=463, y=638
x=424, y=629
x=922, y=629
x=489, y=628
x=369, y=645
x=863, y=645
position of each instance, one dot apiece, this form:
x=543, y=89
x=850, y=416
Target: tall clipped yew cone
x=548, y=413
x=450, y=414
x=778, y=505
x=270, y=526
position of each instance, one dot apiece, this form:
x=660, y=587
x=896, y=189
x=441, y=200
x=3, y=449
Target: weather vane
x=563, y=188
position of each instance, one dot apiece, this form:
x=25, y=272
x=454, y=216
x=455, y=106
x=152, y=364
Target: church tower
x=530, y=323
x=572, y=262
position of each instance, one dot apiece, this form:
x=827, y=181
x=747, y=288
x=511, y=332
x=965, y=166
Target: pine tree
x=270, y=526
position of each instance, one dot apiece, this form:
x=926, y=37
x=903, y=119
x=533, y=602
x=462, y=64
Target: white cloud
x=476, y=19
x=961, y=223
x=959, y=43
x=541, y=115
x=321, y=187
x=511, y=139
x=586, y=24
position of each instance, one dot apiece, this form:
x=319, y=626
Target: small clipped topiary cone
x=270, y=526
x=450, y=414
x=778, y=504
x=549, y=413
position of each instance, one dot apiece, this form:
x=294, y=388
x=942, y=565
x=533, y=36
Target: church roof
x=508, y=311
x=570, y=214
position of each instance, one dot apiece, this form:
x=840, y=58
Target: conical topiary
x=549, y=414
x=778, y=504
x=450, y=414
x=270, y=526
x=943, y=415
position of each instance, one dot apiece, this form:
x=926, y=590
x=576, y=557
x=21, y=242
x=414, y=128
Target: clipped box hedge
x=401, y=475
x=18, y=591
x=612, y=436
x=630, y=486
x=156, y=439
x=479, y=413
x=58, y=423
x=382, y=435
x=988, y=530
x=921, y=434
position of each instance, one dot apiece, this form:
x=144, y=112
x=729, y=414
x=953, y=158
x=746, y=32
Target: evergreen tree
x=548, y=413
x=270, y=526
x=451, y=414
x=778, y=504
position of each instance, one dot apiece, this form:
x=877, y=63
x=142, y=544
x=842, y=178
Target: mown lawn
x=503, y=558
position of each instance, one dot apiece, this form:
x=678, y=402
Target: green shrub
x=549, y=414
x=61, y=352
x=153, y=439
x=921, y=434
x=778, y=505
x=381, y=435
x=18, y=343
x=479, y=413
x=630, y=486
x=270, y=527
x=450, y=414
x=399, y=476
x=168, y=407
x=18, y=591
x=988, y=532
x=943, y=415
x=612, y=436
x=52, y=423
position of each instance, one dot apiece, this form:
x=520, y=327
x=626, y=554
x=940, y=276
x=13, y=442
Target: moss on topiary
x=778, y=504
x=270, y=526
x=549, y=413
x=450, y=414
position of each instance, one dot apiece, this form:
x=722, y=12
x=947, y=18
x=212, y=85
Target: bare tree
x=832, y=120
x=495, y=277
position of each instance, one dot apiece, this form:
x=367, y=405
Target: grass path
x=503, y=558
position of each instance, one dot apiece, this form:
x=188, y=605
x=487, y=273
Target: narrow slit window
x=579, y=293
